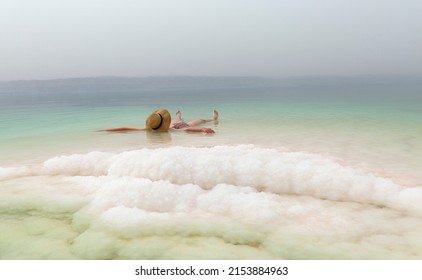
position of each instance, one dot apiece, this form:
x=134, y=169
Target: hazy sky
x=275, y=38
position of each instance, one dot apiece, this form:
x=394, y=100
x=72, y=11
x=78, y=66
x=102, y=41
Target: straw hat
x=159, y=120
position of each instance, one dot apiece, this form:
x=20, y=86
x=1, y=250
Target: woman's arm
x=199, y=129
x=122, y=129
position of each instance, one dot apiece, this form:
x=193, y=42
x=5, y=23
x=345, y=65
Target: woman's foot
x=179, y=115
x=215, y=115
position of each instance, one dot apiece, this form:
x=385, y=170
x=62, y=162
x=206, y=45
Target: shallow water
x=317, y=174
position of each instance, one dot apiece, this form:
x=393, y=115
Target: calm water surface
x=296, y=174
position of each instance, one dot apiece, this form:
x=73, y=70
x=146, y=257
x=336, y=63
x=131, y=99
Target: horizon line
x=219, y=76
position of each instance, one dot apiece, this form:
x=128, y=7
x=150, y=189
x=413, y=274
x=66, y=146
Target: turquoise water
x=373, y=128
x=297, y=174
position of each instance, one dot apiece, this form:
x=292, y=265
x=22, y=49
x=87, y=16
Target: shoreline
x=233, y=196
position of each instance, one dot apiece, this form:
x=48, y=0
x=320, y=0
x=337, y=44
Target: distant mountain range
x=113, y=84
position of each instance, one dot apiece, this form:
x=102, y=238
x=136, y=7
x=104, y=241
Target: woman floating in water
x=160, y=121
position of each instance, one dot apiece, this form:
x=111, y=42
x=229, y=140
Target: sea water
x=328, y=173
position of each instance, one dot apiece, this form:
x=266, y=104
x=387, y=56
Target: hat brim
x=165, y=120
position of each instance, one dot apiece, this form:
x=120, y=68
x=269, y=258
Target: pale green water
x=332, y=174
x=368, y=127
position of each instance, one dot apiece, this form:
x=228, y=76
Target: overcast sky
x=46, y=39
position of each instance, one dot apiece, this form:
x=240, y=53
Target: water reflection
x=158, y=137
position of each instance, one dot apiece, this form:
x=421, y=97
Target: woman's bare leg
x=201, y=121
x=178, y=119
